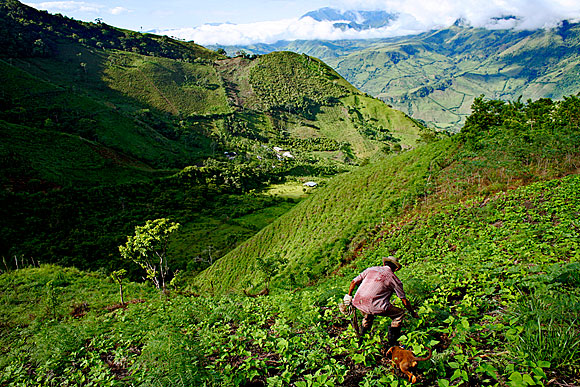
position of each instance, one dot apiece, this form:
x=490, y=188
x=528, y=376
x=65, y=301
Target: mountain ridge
x=434, y=76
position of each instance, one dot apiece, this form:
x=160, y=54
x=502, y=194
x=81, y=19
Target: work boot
x=393, y=336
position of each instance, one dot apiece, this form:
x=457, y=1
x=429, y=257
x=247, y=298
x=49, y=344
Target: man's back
x=376, y=285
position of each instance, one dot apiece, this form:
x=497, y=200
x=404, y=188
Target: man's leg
x=366, y=325
x=394, y=333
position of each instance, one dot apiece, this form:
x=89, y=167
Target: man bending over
x=375, y=288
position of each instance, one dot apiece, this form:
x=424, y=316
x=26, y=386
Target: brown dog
x=404, y=359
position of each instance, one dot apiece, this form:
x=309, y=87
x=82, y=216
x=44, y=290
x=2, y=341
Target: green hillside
x=494, y=277
x=95, y=121
x=170, y=104
x=105, y=130
x=435, y=76
x=496, y=150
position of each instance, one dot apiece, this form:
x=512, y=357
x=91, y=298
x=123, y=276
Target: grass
x=64, y=160
x=173, y=87
x=322, y=226
x=323, y=231
x=549, y=322
x=494, y=280
x=291, y=190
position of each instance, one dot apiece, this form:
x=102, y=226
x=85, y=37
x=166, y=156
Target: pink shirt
x=377, y=284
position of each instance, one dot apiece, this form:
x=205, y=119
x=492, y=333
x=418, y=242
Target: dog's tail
x=424, y=358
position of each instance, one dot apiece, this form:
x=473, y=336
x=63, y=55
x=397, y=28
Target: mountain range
x=435, y=76
x=357, y=20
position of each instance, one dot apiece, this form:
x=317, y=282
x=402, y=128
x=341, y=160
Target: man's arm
x=351, y=287
x=348, y=297
x=409, y=307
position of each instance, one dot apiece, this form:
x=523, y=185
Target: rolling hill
x=435, y=76
x=168, y=104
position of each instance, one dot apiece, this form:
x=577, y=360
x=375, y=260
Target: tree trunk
x=121, y=293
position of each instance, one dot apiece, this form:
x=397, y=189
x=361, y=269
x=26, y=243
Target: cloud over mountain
x=402, y=17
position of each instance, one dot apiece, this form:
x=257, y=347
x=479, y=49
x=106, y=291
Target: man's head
x=392, y=262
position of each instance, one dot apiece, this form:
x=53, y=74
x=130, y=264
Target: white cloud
x=119, y=10
x=531, y=14
x=415, y=16
x=67, y=6
x=288, y=29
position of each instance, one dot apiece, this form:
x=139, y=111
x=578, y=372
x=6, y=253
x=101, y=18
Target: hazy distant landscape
x=435, y=76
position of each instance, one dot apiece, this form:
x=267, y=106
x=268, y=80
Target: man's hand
x=409, y=307
x=347, y=300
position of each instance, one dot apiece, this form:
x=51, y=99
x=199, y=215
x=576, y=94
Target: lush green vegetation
x=103, y=129
x=27, y=32
x=301, y=83
x=502, y=146
x=83, y=227
x=495, y=280
x=108, y=134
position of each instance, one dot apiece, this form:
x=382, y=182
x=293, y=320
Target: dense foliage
x=302, y=84
x=503, y=145
x=83, y=227
x=495, y=281
x=485, y=222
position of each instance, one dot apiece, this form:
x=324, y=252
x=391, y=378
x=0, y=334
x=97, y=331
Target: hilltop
x=435, y=76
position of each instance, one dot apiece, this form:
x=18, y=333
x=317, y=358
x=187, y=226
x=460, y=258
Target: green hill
x=435, y=76
x=496, y=150
x=169, y=104
x=96, y=120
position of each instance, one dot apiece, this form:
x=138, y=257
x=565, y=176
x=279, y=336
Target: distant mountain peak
x=353, y=19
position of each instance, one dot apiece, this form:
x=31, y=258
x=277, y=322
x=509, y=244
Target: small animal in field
x=404, y=359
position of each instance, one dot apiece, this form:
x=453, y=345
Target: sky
x=244, y=22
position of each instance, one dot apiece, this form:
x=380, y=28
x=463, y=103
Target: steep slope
x=496, y=150
x=435, y=76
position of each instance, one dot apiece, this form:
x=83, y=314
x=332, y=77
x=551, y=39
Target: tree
x=270, y=267
x=118, y=276
x=148, y=249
